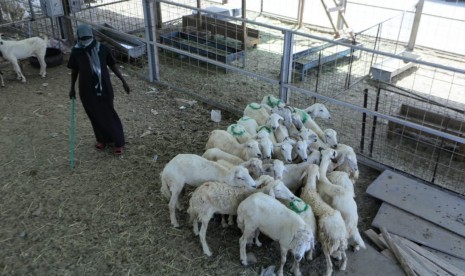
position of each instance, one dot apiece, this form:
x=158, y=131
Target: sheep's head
x=280, y=190
x=330, y=138
x=252, y=149
x=255, y=167
x=242, y=178
x=328, y=154
x=302, y=242
x=266, y=147
x=301, y=148
x=319, y=110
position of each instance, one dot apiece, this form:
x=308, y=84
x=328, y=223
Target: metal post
x=416, y=25
x=364, y=119
x=149, y=21
x=244, y=26
x=286, y=65
x=300, y=13
x=157, y=12
x=340, y=21
x=375, y=119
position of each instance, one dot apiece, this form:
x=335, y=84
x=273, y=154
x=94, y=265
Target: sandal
x=119, y=151
x=100, y=146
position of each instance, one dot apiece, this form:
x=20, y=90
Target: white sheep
x=309, y=122
x=332, y=232
x=305, y=211
x=239, y=132
x=318, y=110
x=340, y=197
x=275, y=169
x=265, y=143
x=219, y=198
x=272, y=101
x=17, y=50
x=300, y=151
x=226, y=142
x=249, y=124
x=253, y=165
x=257, y=112
x=215, y=154
x=283, y=151
x=346, y=162
x=329, y=140
x=280, y=132
x=194, y=170
x=269, y=216
x=292, y=175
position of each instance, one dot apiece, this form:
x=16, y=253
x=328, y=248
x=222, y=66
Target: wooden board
x=419, y=230
x=440, y=207
x=369, y=262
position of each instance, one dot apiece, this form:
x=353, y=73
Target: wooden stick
x=450, y=268
x=402, y=261
x=371, y=234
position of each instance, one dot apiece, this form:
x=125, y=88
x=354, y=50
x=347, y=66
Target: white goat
x=194, y=170
x=286, y=227
x=257, y=112
x=16, y=50
x=219, y=198
x=332, y=233
x=340, y=197
x=226, y=142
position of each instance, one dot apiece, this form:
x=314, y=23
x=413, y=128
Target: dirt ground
x=106, y=216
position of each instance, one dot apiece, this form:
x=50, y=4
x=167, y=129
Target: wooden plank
x=371, y=234
x=419, y=230
x=440, y=207
x=367, y=262
x=401, y=258
x=434, y=259
x=457, y=262
x=422, y=265
x=386, y=252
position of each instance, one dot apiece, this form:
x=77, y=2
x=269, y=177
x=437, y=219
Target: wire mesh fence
x=412, y=121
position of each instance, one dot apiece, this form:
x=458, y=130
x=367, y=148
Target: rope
x=294, y=208
x=71, y=138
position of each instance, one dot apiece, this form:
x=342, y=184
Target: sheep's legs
x=43, y=66
x=329, y=264
x=257, y=242
x=344, y=260
x=18, y=71
x=296, y=268
x=203, y=234
x=243, y=243
x=172, y=206
x=283, y=261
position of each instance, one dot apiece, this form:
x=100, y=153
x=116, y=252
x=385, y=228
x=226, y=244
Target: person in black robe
x=90, y=60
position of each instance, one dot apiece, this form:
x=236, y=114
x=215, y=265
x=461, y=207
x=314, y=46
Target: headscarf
x=91, y=48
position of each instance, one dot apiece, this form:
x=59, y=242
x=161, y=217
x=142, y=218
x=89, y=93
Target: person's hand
x=126, y=87
x=72, y=93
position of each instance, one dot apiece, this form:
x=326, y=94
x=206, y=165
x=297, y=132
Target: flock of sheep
x=281, y=175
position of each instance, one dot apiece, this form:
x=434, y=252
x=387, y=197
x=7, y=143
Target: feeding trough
x=201, y=46
x=388, y=68
x=319, y=55
x=127, y=44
